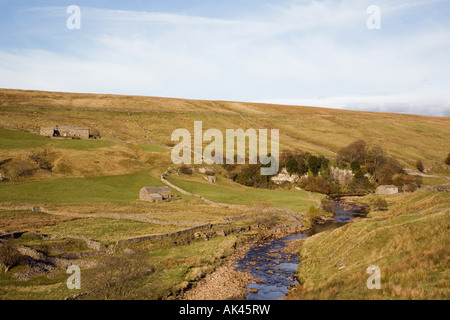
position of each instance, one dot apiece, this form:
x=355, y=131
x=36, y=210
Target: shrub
x=380, y=204
x=95, y=134
x=419, y=165
x=327, y=204
x=315, y=184
x=250, y=176
x=41, y=158
x=9, y=255
x=447, y=160
x=314, y=213
x=185, y=170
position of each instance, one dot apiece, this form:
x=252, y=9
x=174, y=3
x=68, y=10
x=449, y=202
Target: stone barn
x=386, y=190
x=155, y=194
x=65, y=132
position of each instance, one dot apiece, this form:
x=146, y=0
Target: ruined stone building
x=65, y=132
x=386, y=190
x=155, y=194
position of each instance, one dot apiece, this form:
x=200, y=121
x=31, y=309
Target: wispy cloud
x=293, y=52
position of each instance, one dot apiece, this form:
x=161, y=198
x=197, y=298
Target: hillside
x=409, y=243
x=317, y=130
x=76, y=201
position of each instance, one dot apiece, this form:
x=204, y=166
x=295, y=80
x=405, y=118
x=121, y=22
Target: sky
x=297, y=52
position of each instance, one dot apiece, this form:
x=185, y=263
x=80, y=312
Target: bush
x=41, y=158
x=95, y=134
x=118, y=277
x=250, y=176
x=380, y=204
x=327, y=204
x=447, y=160
x=314, y=213
x=314, y=184
x=419, y=165
x=9, y=255
x=185, y=170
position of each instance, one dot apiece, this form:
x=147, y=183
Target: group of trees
x=300, y=163
x=248, y=175
x=370, y=167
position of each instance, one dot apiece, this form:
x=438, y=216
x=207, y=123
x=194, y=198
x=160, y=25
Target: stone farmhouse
x=65, y=132
x=155, y=194
x=386, y=190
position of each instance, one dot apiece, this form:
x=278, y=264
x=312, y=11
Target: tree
x=419, y=165
x=355, y=151
x=447, y=160
x=292, y=166
x=314, y=164
x=9, y=256
x=302, y=168
x=355, y=165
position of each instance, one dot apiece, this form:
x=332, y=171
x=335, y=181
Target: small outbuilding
x=155, y=194
x=386, y=190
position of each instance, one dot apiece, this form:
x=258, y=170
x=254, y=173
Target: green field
x=11, y=139
x=75, y=144
x=118, y=189
x=153, y=148
x=291, y=199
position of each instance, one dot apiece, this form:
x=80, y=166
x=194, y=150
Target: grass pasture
x=116, y=189
x=291, y=199
x=12, y=139
x=108, y=231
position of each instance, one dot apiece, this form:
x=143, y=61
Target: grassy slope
x=124, y=188
x=105, y=175
x=319, y=130
x=238, y=194
x=409, y=243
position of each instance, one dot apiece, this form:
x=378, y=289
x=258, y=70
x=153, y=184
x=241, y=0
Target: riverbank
x=408, y=242
x=225, y=283
x=265, y=269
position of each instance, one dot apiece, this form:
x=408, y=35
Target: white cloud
x=294, y=52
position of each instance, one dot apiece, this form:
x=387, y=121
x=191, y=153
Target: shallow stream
x=275, y=266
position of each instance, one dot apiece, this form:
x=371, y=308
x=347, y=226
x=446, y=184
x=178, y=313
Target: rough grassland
x=410, y=244
x=318, y=130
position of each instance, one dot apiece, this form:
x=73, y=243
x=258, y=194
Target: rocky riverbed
x=266, y=269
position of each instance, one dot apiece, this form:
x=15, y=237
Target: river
x=274, y=265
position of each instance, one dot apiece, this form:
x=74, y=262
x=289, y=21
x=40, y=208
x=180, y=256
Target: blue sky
x=317, y=53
